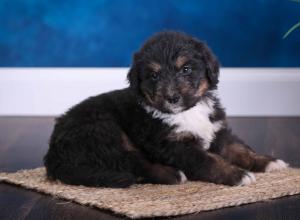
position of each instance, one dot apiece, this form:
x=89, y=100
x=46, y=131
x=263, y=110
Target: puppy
x=167, y=127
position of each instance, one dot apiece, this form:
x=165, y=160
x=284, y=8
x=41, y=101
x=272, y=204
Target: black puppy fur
x=168, y=125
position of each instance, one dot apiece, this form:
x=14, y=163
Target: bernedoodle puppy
x=167, y=127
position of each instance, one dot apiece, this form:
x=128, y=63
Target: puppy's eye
x=154, y=76
x=186, y=70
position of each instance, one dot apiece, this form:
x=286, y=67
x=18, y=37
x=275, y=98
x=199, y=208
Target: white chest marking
x=194, y=120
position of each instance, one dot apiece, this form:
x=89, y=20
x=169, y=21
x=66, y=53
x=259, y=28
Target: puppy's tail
x=88, y=177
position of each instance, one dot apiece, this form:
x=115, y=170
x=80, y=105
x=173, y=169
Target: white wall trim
x=51, y=91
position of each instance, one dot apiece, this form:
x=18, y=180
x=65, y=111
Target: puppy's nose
x=173, y=99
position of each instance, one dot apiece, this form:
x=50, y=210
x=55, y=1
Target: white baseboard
x=51, y=91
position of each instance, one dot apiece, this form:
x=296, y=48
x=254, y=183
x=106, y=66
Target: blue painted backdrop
x=87, y=33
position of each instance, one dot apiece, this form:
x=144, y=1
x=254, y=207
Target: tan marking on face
x=203, y=87
x=126, y=143
x=156, y=67
x=181, y=60
x=184, y=87
x=147, y=96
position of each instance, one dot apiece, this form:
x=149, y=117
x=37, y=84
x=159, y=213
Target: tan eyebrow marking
x=155, y=66
x=180, y=61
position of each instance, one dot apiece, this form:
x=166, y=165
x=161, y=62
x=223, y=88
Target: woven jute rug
x=163, y=200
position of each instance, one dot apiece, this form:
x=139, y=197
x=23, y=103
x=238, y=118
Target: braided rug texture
x=162, y=200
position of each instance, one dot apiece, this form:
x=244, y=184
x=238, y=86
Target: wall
x=104, y=33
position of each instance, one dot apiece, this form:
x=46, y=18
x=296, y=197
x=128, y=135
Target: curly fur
x=168, y=125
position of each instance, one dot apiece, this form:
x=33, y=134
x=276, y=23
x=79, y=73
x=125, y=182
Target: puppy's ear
x=211, y=62
x=132, y=75
x=213, y=70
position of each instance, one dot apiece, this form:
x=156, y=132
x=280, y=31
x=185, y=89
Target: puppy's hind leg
x=146, y=171
x=155, y=173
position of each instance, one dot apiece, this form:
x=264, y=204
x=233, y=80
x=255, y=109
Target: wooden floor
x=23, y=142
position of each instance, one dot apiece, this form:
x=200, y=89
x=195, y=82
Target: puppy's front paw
x=239, y=177
x=161, y=174
x=247, y=179
x=183, y=177
x=276, y=165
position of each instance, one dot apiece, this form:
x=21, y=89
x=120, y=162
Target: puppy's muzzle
x=173, y=99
